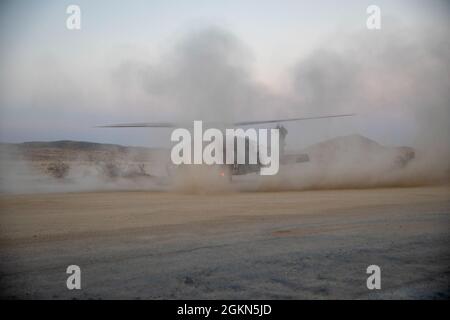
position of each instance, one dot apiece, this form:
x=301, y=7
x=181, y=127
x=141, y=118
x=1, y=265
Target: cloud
x=207, y=76
x=399, y=73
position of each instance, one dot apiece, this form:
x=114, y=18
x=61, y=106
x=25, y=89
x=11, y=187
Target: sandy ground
x=248, y=245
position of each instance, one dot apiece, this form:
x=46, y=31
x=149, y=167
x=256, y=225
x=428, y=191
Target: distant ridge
x=69, y=144
x=75, y=145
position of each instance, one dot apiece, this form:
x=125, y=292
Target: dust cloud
x=396, y=81
x=95, y=167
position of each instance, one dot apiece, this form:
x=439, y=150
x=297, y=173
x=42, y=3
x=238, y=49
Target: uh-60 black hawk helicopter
x=237, y=167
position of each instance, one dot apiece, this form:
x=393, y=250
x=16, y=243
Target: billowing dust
x=396, y=81
x=344, y=162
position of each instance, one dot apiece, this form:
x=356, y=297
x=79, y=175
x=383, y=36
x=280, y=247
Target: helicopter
x=237, y=167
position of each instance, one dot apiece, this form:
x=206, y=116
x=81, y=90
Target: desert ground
x=232, y=245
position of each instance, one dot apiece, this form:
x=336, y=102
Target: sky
x=143, y=61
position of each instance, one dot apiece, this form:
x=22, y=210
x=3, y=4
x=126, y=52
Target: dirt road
x=247, y=245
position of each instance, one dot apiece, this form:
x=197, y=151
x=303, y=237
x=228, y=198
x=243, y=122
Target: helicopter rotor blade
x=246, y=123
x=235, y=124
x=142, y=125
